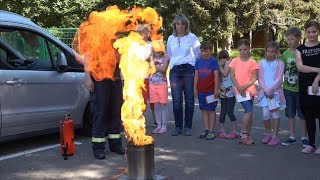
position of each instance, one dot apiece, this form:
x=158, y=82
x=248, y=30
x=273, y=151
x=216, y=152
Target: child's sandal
x=232, y=135
x=247, y=141
x=222, y=134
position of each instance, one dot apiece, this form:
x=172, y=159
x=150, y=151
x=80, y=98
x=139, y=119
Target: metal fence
x=66, y=35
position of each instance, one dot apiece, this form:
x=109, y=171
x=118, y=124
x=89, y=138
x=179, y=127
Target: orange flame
x=96, y=42
x=134, y=68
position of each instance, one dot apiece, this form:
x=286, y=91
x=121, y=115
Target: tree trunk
x=250, y=37
x=227, y=42
x=215, y=48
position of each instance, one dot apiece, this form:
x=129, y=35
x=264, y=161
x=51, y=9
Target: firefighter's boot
x=98, y=148
x=115, y=145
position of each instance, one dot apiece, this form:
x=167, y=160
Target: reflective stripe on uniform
x=114, y=136
x=98, y=140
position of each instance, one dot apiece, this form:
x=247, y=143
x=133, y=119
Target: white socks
x=161, y=113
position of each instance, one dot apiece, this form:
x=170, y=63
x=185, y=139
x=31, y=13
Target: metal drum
x=140, y=162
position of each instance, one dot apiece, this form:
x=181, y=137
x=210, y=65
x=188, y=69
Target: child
x=158, y=87
x=271, y=97
x=227, y=96
x=308, y=64
x=291, y=87
x=244, y=73
x=145, y=31
x=206, y=88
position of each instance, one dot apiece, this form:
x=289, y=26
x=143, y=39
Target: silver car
x=40, y=81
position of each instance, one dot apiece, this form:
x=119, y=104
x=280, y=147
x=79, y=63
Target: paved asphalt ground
x=175, y=157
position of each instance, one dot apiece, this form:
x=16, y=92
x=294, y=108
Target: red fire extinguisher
x=66, y=136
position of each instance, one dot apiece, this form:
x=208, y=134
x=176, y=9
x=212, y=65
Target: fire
x=134, y=68
x=96, y=42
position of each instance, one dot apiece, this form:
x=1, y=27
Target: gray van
x=40, y=81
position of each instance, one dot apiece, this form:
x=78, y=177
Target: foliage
x=53, y=13
x=234, y=53
x=298, y=10
x=247, y=15
x=210, y=19
x=257, y=53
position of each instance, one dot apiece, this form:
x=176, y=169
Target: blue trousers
x=181, y=82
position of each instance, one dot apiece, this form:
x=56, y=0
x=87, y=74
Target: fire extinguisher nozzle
x=67, y=116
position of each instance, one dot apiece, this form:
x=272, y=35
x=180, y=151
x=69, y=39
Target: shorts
x=267, y=114
x=292, y=99
x=158, y=93
x=203, y=104
x=247, y=105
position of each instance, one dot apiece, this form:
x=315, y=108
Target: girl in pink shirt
x=244, y=73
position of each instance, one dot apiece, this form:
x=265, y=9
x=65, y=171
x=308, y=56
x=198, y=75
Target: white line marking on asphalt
x=32, y=151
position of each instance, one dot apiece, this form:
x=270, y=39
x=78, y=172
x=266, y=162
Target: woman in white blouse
x=182, y=47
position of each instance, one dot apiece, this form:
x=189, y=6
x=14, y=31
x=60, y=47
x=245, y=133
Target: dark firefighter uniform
x=107, y=124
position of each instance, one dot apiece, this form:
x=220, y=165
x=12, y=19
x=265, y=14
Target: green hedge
x=256, y=54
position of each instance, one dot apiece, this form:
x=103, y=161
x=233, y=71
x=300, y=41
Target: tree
x=53, y=13
x=282, y=14
x=213, y=20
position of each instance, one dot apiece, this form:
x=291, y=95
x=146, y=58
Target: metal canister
x=140, y=162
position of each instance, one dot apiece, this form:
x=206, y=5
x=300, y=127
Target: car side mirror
x=62, y=64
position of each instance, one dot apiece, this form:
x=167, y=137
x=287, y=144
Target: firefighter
x=107, y=125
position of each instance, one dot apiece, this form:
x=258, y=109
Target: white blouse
x=183, y=50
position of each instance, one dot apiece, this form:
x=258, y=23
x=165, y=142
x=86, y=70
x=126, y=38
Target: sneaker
x=162, y=130
x=266, y=139
x=177, y=131
x=289, y=141
x=210, y=136
x=307, y=150
x=204, y=134
x=317, y=151
x=274, y=141
x=305, y=142
x=155, y=131
x=155, y=124
x=187, y=132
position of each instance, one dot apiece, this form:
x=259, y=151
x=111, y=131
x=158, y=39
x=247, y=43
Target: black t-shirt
x=310, y=57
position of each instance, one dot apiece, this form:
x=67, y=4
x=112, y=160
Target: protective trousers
x=107, y=124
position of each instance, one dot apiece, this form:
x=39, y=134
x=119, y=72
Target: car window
x=38, y=53
x=3, y=55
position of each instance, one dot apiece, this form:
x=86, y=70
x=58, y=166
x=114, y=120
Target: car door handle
x=16, y=82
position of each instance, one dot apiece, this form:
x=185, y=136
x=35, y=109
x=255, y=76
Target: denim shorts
x=203, y=105
x=247, y=105
x=292, y=99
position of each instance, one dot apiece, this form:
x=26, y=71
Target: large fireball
x=96, y=41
